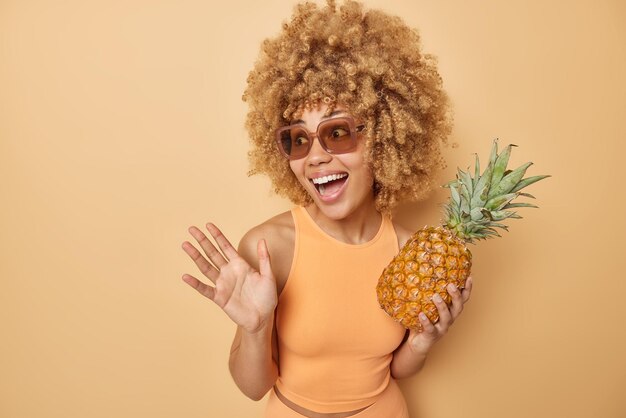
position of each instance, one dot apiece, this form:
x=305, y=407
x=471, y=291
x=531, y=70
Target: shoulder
x=402, y=233
x=277, y=227
x=279, y=235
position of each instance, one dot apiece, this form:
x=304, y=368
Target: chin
x=335, y=212
x=339, y=210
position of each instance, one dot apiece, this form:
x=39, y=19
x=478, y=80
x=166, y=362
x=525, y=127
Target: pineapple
x=436, y=256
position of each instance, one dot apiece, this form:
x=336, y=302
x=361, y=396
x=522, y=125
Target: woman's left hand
x=422, y=342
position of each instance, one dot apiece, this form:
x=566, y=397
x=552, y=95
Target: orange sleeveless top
x=335, y=343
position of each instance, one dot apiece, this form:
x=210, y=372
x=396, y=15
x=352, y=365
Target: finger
x=202, y=288
x=445, y=317
x=457, y=301
x=207, y=246
x=203, y=265
x=227, y=248
x=427, y=326
x=465, y=295
x=265, y=267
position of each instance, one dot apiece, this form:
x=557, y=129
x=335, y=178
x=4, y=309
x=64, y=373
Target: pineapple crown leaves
x=478, y=203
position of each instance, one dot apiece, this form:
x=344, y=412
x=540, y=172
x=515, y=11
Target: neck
x=356, y=227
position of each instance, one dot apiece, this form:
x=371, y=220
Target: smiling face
x=338, y=183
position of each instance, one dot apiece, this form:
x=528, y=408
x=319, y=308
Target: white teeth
x=326, y=179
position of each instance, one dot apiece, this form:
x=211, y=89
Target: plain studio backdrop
x=121, y=125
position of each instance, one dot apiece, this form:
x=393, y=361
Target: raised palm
x=246, y=295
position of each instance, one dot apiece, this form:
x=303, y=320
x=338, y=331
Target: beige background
x=121, y=125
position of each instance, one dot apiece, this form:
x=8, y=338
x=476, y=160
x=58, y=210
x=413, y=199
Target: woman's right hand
x=248, y=296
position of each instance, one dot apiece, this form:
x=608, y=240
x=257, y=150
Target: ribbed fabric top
x=335, y=343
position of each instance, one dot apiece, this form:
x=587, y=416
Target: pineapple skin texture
x=430, y=259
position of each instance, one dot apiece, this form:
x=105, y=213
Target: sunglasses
x=336, y=136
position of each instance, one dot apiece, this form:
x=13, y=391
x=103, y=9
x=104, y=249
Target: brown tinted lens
x=295, y=142
x=337, y=136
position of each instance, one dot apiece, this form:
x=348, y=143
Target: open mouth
x=329, y=185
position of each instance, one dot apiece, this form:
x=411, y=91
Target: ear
x=376, y=187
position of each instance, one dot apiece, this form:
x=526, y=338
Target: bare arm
x=253, y=361
x=245, y=289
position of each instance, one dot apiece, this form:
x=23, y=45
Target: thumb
x=265, y=267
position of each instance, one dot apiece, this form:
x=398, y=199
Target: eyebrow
x=336, y=112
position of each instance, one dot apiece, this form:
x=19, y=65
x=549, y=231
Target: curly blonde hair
x=369, y=62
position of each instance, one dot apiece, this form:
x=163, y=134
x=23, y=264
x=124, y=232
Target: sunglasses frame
x=354, y=130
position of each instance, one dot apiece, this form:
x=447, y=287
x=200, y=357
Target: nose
x=317, y=154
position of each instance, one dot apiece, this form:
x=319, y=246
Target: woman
x=346, y=118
